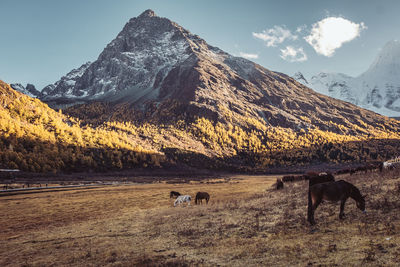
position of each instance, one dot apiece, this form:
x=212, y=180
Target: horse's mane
x=355, y=192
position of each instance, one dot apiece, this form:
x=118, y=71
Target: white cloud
x=301, y=28
x=292, y=54
x=248, y=55
x=331, y=33
x=275, y=35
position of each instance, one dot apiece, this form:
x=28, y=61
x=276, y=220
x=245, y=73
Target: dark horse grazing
x=333, y=191
x=279, y=184
x=200, y=196
x=174, y=194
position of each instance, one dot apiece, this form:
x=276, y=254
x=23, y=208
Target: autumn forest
x=36, y=138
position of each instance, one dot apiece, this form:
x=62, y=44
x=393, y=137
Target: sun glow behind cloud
x=331, y=33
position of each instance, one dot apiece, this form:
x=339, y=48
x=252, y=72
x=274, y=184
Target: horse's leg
x=309, y=212
x=312, y=206
x=177, y=202
x=341, y=213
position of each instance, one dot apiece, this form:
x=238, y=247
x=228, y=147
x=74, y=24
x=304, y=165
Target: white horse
x=390, y=165
x=182, y=199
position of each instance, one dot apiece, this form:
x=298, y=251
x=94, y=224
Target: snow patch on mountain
x=64, y=87
x=335, y=85
x=29, y=89
x=298, y=76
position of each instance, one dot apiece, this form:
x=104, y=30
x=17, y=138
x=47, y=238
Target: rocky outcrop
x=29, y=89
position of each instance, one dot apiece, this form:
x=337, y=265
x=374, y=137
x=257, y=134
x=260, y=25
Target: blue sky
x=44, y=39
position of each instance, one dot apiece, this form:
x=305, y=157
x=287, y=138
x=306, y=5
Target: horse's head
x=174, y=194
x=361, y=203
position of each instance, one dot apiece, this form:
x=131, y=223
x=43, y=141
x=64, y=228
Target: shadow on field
x=293, y=160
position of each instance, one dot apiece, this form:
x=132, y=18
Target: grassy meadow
x=247, y=222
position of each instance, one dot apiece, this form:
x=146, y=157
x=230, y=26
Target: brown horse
x=174, y=194
x=200, y=196
x=333, y=191
x=279, y=184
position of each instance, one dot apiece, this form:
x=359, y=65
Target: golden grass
x=245, y=223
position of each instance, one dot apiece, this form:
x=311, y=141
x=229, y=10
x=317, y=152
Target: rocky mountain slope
x=376, y=89
x=136, y=66
x=29, y=90
x=64, y=85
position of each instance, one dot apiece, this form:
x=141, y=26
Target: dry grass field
x=245, y=223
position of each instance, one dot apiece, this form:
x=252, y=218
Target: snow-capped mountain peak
x=377, y=89
x=387, y=58
x=145, y=62
x=386, y=67
x=133, y=65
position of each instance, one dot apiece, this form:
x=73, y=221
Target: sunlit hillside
x=251, y=143
x=37, y=138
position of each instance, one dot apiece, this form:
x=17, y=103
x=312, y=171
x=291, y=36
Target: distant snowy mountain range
x=377, y=89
